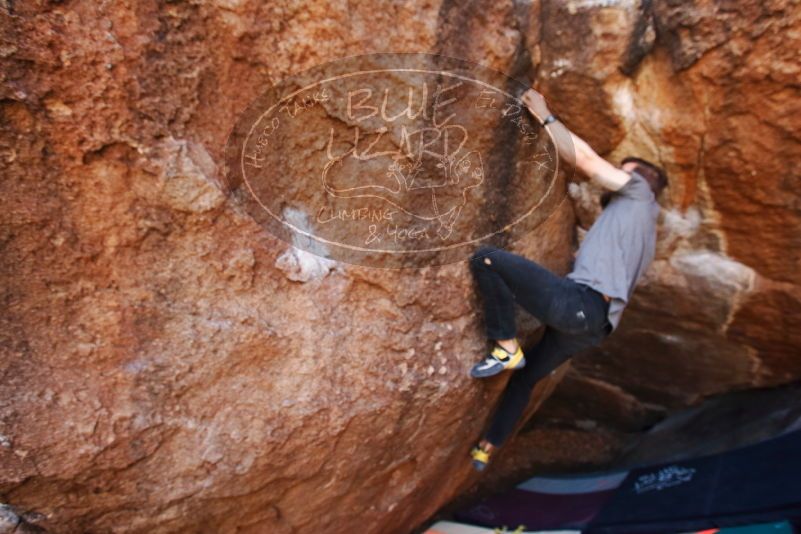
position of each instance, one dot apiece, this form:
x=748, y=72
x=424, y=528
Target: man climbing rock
x=578, y=310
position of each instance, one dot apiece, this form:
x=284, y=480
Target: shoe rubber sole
x=517, y=363
x=479, y=466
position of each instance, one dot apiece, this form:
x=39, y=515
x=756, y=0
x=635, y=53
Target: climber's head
x=653, y=174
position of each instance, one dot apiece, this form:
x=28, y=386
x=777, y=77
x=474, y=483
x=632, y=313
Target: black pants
x=575, y=317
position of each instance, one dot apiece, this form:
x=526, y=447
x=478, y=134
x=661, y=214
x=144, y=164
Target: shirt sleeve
x=637, y=188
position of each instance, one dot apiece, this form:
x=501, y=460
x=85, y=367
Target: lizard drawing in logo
x=426, y=175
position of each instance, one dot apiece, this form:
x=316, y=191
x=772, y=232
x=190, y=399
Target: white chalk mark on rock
x=298, y=264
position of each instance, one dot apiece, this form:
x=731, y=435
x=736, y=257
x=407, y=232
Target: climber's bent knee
x=482, y=256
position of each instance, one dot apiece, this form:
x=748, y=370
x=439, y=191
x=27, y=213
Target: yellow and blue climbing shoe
x=480, y=457
x=498, y=360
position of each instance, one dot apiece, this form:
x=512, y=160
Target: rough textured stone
x=167, y=366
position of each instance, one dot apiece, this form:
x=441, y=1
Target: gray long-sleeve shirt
x=620, y=245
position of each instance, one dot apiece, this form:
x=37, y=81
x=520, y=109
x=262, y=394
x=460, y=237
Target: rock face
x=169, y=366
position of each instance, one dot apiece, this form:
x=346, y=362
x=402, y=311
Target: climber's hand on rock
x=535, y=103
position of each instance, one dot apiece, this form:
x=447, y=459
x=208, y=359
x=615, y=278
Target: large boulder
x=170, y=366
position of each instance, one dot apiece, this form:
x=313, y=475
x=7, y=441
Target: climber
x=578, y=310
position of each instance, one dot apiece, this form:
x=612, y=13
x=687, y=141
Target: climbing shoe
x=480, y=457
x=498, y=360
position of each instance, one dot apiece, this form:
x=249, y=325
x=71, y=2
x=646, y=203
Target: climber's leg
x=553, y=349
x=505, y=278
x=499, y=313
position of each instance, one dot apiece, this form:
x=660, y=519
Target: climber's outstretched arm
x=574, y=149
